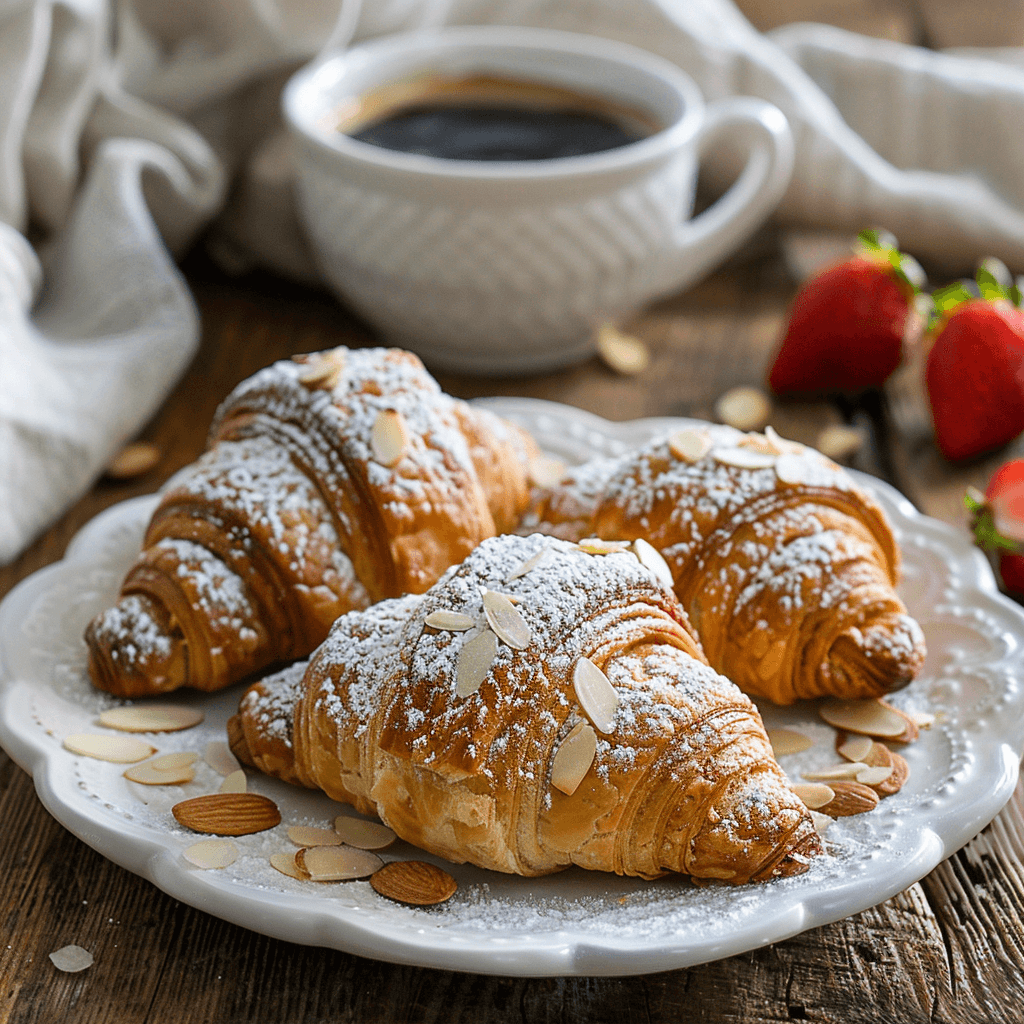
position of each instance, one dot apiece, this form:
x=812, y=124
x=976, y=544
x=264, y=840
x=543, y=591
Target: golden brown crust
x=786, y=567
x=295, y=515
x=682, y=777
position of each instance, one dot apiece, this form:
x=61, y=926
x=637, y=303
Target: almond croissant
x=330, y=481
x=538, y=707
x=784, y=565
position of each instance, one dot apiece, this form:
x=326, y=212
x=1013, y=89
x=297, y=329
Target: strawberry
x=975, y=367
x=847, y=323
x=997, y=520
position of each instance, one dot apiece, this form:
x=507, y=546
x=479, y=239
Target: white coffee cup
x=509, y=266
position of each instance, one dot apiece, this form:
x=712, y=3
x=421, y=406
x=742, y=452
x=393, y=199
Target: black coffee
x=484, y=118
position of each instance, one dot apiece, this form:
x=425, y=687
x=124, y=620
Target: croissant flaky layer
x=486, y=739
x=785, y=566
x=330, y=482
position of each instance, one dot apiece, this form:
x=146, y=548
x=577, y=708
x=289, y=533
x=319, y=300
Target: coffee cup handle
x=707, y=239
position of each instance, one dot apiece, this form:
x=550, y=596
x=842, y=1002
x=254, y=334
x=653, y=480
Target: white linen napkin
x=118, y=153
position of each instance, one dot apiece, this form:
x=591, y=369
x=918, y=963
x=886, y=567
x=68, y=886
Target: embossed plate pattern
x=576, y=923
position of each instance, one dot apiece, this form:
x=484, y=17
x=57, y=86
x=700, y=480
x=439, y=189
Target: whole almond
x=227, y=814
x=850, y=798
x=414, y=881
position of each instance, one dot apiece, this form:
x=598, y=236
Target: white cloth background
x=122, y=124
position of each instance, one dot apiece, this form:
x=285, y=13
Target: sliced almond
x=744, y=408
x=151, y=718
x=744, y=458
x=235, y=782
x=815, y=795
x=804, y=469
x=415, y=882
x=285, y=863
x=308, y=835
x=228, y=814
x=856, y=748
x=323, y=369
x=600, y=546
x=389, y=437
x=134, y=460
x=596, y=694
x=71, y=959
x=336, y=863
x=821, y=821
x=449, y=620
x=651, y=558
x=880, y=756
x=840, y=442
x=365, y=835
x=219, y=757
x=147, y=774
x=689, y=445
x=622, y=353
x=780, y=444
x=850, y=798
x=923, y=719
x=506, y=620
x=846, y=770
x=475, y=660
x=118, y=749
x=788, y=741
x=873, y=776
x=573, y=758
x=530, y=564
x=870, y=718
x=174, y=761
x=211, y=853
x=545, y=471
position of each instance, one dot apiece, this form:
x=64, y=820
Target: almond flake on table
x=219, y=757
x=506, y=620
x=211, y=853
x=573, y=758
x=235, y=782
x=133, y=460
x=151, y=718
x=846, y=770
x=71, y=959
x=788, y=741
x=596, y=694
x=744, y=408
x=856, y=747
x=365, y=835
x=874, y=776
x=118, y=749
x=623, y=353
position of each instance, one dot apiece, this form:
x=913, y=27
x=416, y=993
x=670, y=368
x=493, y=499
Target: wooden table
x=949, y=949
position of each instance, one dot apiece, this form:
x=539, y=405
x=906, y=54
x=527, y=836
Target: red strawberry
x=975, y=369
x=998, y=522
x=847, y=324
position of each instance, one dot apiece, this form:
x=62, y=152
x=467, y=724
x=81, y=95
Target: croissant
x=784, y=565
x=330, y=482
x=538, y=707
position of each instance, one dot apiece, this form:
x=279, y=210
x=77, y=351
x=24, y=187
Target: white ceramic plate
x=576, y=923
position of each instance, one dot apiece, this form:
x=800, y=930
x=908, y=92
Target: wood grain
x=949, y=950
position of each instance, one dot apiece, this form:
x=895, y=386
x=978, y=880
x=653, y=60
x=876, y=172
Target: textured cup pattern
x=498, y=288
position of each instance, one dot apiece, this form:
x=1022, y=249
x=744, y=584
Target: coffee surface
x=475, y=132
x=488, y=118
